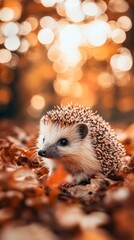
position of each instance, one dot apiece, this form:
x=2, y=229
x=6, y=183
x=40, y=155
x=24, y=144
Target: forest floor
x=34, y=206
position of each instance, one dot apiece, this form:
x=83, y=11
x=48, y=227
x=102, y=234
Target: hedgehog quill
x=81, y=140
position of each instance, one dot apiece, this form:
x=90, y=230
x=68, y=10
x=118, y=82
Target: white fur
x=78, y=157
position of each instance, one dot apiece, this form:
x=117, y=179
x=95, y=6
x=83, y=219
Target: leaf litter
x=35, y=206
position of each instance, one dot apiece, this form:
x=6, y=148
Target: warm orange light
x=54, y=53
x=60, y=67
x=105, y=80
x=33, y=22
x=127, y=103
x=60, y=8
x=25, y=28
x=67, y=88
x=38, y=102
x=5, y=96
x=14, y=61
x=118, y=6
x=24, y=46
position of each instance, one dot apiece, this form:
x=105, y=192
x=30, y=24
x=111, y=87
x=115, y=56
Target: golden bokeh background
x=59, y=51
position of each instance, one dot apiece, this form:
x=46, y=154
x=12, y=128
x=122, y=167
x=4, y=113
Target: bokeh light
x=98, y=32
x=25, y=28
x=6, y=14
x=122, y=62
x=48, y=3
x=118, y=35
x=125, y=23
x=48, y=22
x=12, y=43
x=74, y=11
x=105, y=80
x=5, y=55
x=65, y=50
x=10, y=29
x=91, y=8
x=46, y=36
x=33, y=22
x=24, y=46
x=37, y=102
x=119, y=6
x=67, y=37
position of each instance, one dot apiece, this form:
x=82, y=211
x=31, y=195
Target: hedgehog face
x=57, y=142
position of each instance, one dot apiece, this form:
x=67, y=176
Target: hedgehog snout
x=42, y=153
x=49, y=151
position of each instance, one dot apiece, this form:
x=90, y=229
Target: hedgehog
x=81, y=140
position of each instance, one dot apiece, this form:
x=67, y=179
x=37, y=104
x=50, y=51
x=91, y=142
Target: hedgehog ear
x=82, y=130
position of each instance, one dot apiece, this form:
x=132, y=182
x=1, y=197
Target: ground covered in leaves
x=35, y=207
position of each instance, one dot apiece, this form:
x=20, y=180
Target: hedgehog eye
x=63, y=142
x=43, y=140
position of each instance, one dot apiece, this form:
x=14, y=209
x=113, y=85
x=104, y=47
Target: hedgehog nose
x=42, y=153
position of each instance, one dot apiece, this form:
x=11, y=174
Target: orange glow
x=66, y=50
x=118, y=6
x=5, y=96
x=60, y=67
x=60, y=8
x=38, y=102
x=25, y=28
x=14, y=61
x=67, y=88
x=2, y=38
x=71, y=75
x=33, y=22
x=88, y=99
x=32, y=39
x=127, y=104
x=16, y=7
x=105, y=80
x=54, y=53
x=24, y=46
